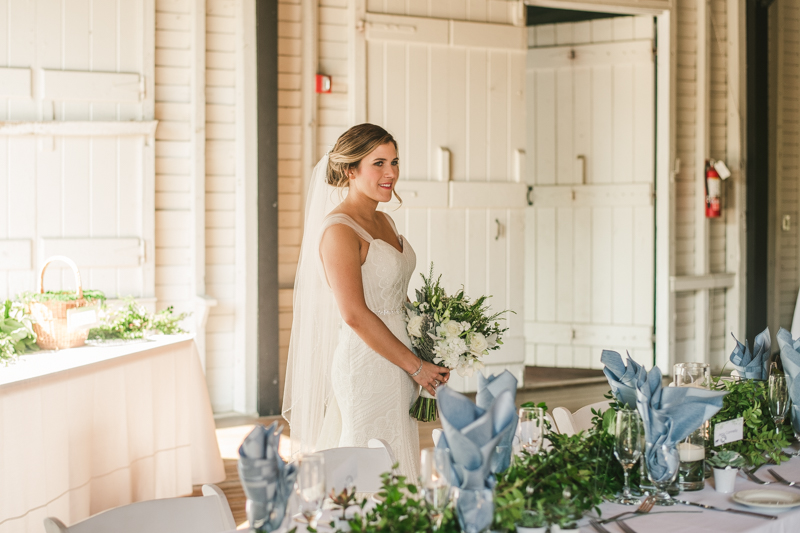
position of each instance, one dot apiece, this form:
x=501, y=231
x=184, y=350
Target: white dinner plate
x=767, y=498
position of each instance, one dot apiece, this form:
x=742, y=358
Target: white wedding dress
x=372, y=396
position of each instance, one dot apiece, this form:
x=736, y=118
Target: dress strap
x=341, y=218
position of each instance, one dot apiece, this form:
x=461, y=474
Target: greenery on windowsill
x=761, y=442
x=16, y=332
x=132, y=321
x=60, y=296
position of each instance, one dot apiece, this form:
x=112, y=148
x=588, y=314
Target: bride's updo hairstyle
x=352, y=146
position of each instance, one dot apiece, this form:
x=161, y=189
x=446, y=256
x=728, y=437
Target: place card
x=81, y=317
x=728, y=431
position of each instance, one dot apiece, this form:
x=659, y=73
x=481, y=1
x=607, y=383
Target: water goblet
x=531, y=429
x=311, y=487
x=692, y=375
x=778, y=397
x=434, y=480
x=628, y=446
x=662, y=467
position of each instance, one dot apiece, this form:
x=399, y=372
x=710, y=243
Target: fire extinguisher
x=712, y=191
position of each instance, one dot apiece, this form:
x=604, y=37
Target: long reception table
x=683, y=518
x=87, y=429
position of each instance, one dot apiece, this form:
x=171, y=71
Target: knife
x=729, y=510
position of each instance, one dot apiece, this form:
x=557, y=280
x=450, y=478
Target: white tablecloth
x=88, y=429
x=690, y=521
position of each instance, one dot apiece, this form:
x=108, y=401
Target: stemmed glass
x=531, y=429
x=778, y=396
x=311, y=487
x=434, y=480
x=628, y=447
x=666, y=459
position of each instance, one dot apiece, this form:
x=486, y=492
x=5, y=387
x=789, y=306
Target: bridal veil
x=315, y=325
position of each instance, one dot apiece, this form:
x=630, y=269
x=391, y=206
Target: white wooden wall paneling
x=246, y=355
x=93, y=86
x=77, y=128
x=735, y=238
x=702, y=319
x=97, y=252
x=614, y=53
x=592, y=195
x=15, y=254
x=419, y=30
x=15, y=83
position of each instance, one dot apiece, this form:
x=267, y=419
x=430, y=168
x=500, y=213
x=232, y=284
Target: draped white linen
x=87, y=429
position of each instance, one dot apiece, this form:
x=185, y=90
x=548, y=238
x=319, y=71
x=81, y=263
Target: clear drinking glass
x=692, y=451
x=311, y=487
x=778, y=396
x=666, y=464
x=434, y=480
x=531, y=429
x=691, y=375
x=628, y=447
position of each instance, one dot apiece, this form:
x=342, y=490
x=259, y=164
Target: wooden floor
x=570, y=388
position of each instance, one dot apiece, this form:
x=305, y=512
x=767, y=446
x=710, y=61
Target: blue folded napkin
x=472, y=433
x=488, y=390
x=267, y=480
x=752, y=365
x=623, y=379
x=790, y=357
x=669, y=415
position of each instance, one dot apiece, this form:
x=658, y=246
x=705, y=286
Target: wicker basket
x=51, y=316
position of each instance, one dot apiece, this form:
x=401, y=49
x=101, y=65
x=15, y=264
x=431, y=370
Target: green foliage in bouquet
x=746, y=399
x=60, y=296
x=133, y=321
x=16, y=332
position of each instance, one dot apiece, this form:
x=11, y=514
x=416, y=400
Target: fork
x=644, y=507
x=752, y=477
x=624, y=527
x=597, y=526
x=781, y=479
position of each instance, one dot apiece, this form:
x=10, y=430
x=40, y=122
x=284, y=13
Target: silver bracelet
x=415, y=374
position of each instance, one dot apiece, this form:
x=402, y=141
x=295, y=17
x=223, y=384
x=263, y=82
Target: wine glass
x=628, y=446
x=311, y=487
x=778, y=396
x=662, y=467
x=434, y=480
x=531, y=429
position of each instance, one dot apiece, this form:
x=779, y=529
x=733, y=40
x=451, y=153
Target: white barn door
x=589, y=249
x=452, y=93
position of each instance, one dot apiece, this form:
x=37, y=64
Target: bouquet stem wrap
x=424, y=409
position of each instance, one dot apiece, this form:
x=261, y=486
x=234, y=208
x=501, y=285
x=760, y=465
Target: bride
x=351, y=374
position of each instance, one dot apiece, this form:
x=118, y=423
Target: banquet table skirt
x=124, y=429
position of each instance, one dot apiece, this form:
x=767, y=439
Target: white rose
x=492, y=340
x=478, y=366
x=478, y=343
x=452, y=328
x=414, y=327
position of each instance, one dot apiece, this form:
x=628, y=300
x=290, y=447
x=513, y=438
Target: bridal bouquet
x=449, y=331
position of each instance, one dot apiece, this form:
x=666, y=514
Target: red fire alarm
x=323, y=83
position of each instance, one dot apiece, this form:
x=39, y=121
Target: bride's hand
x=431, y=376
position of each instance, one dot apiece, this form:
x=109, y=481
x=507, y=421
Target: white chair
x=208, y=513
x=581, y=420
x=361, y=467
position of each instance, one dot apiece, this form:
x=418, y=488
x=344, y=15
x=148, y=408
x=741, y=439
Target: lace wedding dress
x=371, y=395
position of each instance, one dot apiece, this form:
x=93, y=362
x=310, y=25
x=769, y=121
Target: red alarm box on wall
x=323, y=83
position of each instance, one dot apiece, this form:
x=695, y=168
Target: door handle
x=528, y=194
x=582, y=159
x=499, y=229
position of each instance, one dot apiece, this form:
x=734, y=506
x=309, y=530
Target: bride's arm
x=341, y=257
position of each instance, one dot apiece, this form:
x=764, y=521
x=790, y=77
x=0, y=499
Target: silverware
x=752, y=477
x=644, y=507
x=597, y=526
x=781, y=479
x=624, y=527
x=728, y=510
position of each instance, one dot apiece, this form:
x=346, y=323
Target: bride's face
x=377, y=173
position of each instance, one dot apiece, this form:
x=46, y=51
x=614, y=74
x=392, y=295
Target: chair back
x=209, y=513
x=581, y=420
x=361, y=467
